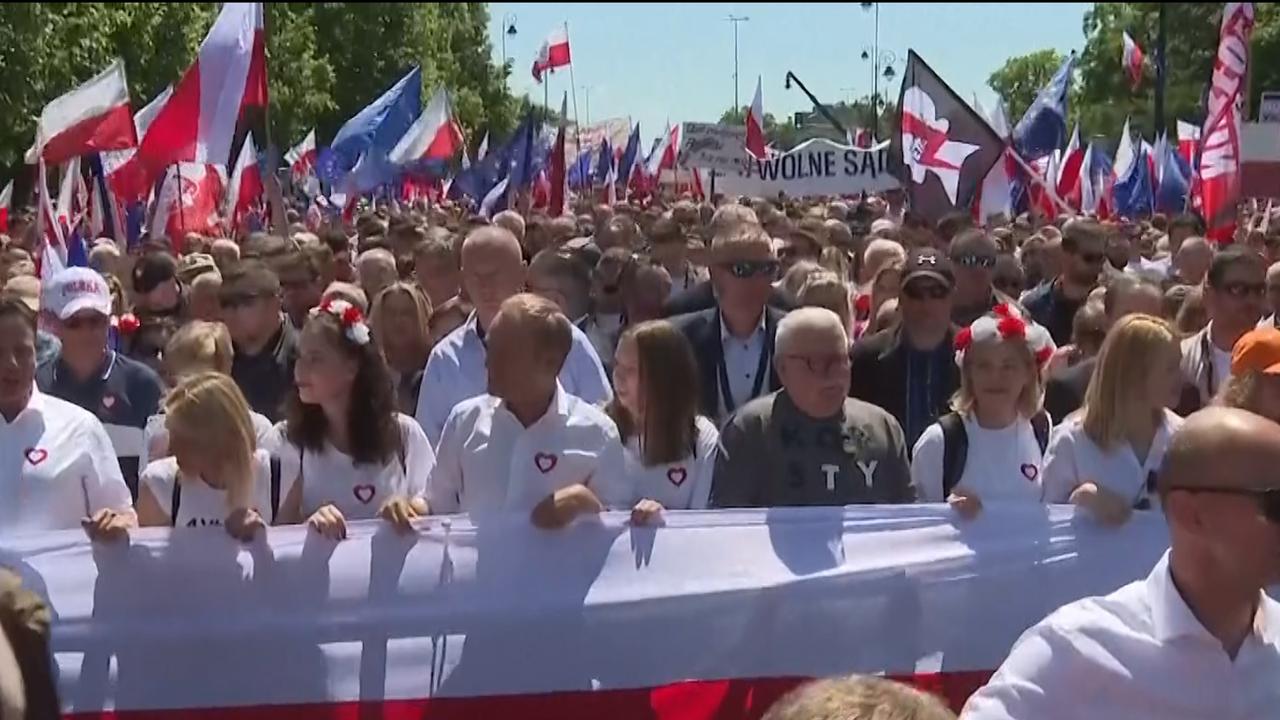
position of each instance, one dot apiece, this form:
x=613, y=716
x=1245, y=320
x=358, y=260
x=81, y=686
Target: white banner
x=813, y=168
x=615, y=130
x=711, y=146
x=492, y=618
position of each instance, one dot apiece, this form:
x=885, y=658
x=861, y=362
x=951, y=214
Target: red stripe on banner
x=110, y=130
x=745, y=699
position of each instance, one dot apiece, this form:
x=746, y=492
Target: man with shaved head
x=376, y=269
x=493, y=270
x=1198, y=638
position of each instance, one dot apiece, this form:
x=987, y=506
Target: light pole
x=508, y=28
x=587, y=90
x=880, y=59
x=734, y=20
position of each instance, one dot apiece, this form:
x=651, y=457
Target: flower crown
x=349, y=316
x=1005, y=322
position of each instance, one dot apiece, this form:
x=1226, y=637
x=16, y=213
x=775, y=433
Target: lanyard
x=1206, y=352
x=762, y=368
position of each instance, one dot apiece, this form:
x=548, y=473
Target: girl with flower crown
x=991, y=447
x=343, y=447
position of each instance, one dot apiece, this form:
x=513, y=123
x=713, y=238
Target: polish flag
x=1124, y=154
x=302, y=157
x=665, y=155
x=91, y=118
x=188, y=202
x=995, y=197
x=553, y=54
x=435, y=135
x=1069, y=183
x=755, y=126
x=72, y=195
x=244, y=192
x=53, y=248
x=127, y=178
x=6, y=199
x=198, y=123
x=1188, y=139
x=558, y=173
x=1132, y=61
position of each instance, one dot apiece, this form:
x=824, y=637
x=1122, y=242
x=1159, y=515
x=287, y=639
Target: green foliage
x=1021, y=77
x=786, y=135
x=325, y=60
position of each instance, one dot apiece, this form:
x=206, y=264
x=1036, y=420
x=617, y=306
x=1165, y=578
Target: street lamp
x=509, y=28
x=734, y=20
x=587, y=90
x=881, y=67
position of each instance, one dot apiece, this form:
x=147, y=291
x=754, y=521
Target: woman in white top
x=669, y=448
x=1105, y=456
x=215, y=477
x=998, y=419
x=343, y=447
x=196, y=347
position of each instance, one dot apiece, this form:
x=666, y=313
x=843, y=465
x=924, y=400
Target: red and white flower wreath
x=349, y=316
x=1004, y=322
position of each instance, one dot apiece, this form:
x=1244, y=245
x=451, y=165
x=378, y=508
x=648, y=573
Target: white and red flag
x=92, y=118
x=198, y=123
x=302, y=157
x=755, y=126
x=1217, y=179
x=188, y=201
x=244, y=192
x=665, y=155
x=6, y=199
x=435, y=135
x=1188, y=139
x=553, y=54
x=127, y=178
x=1132, y=60
x=1069, y=181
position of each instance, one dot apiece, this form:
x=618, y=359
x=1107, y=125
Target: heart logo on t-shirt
x=35, y=456
x=108, y=401
x=1030, y=471
x=676, y=476
x=364, y=493
x=546, y=462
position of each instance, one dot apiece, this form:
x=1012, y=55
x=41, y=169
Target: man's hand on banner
x=562, y=506
x=108, y=525
x=328, y=521
x=401, y=511
x=1105, y=505
x=966, y=503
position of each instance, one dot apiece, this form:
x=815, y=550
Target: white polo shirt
x=681, y=485
x=487, y=460
x=1072, y=459
x=1138, y=653
x=57, y=466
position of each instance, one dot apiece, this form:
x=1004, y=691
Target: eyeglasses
x=1242, y=290
x=921, y=291
x=1092, y=258
x=78, y=322
x=822, y=364
x=231, y=302
x=986, y=262
x=747, y=269
x=1268, y=499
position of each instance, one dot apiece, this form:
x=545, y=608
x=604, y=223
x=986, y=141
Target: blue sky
x=675, y=60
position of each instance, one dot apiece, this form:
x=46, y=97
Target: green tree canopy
x=1021, y=77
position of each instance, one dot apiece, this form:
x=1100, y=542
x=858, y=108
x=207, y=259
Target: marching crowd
x=678, y=355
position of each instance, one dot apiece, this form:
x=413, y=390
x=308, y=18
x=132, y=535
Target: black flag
x=943, y=149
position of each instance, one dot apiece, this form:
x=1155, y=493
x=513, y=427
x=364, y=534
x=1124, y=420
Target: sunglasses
x=822, y=364
x=1268, y=500
x=231, y=302
x=1242, y=290
x=922, y=291
x=747, y=269
x=84, y=321
x=986, y=262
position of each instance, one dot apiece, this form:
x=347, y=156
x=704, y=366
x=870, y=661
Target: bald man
x=1198, y=638
x=1191, y=262
x=376, y=269
x=1273, y=297
x=493, y=270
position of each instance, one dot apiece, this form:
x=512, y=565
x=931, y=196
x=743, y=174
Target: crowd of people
x=675, y=355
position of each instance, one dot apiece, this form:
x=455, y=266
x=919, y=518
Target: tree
x=1021, y=77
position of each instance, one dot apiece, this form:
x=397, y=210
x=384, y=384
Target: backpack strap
x=1040, y=426
x=175, y=500
x=275, y=488
x=955, y=450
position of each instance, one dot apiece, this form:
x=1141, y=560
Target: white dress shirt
x=1072, y=459
x=487, y=460
x=331, y=477
x=1001, y=464
x=57, y=466
x=741, y=365
x=1135, y=654
x=681, y=485
x=456, y=372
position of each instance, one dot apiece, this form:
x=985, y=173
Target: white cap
x=75, y=289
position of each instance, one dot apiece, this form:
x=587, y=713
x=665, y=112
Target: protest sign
x=710, y=146
x=714, y=614
x=818, y=167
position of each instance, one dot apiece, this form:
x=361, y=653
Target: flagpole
x=573, y=90
x=1053, y=195
x=182, y=216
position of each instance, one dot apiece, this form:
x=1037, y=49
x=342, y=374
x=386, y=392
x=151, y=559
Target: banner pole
x=577, y=127
x=1053, y=195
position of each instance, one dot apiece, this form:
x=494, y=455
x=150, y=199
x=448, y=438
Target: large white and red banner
x=1217, y=183
x=713, y=615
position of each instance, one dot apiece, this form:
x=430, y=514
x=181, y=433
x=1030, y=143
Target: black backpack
x=955, y=445
x=175, y=501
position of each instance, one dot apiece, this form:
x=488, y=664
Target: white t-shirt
x=155, y=436
x=358, y=491
x=57, y=466
x=1221, y=366
x=1003, y=464
x=489, y=461
x=200, y=504
x=1073, y=458
x=681, y=485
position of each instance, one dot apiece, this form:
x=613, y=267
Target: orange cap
x=1257, y=351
